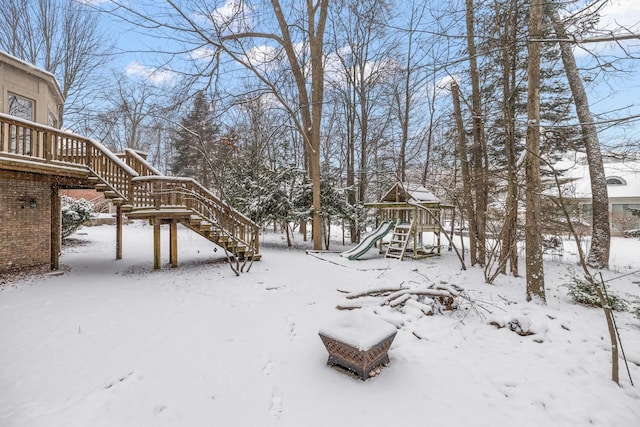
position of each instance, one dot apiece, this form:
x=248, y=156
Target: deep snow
x=114, y=343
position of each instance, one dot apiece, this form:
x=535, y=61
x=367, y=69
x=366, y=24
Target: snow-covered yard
x=114, y=343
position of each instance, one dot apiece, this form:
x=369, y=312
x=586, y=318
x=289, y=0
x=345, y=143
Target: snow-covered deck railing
x=163, y=191
x=46, y=144
x=138, y=163
x=359, y=343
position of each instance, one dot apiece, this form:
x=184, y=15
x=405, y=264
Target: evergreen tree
x=195, y=143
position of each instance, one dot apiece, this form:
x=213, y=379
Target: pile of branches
x=429, y=299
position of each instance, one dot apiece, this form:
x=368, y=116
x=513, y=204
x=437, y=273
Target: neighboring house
x=623, y=186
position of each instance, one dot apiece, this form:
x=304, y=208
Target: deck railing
x=25, y=140
x=166, y=192
x=138, y=163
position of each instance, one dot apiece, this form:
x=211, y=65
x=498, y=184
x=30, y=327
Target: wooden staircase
x=157, y=197
x=399, y=240
x=220, y=237
x=131, y=183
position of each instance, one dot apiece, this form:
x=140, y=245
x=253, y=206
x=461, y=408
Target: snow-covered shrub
x=583, y=292
x=632, y=233
x=75, y=212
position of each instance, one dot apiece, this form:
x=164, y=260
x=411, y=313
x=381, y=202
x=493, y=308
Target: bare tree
x=64, y=38
x=469, y=207
x=356, y=80
x=262, y=41
x=478, y=151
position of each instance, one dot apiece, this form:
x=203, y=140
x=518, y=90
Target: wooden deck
x=30, y=151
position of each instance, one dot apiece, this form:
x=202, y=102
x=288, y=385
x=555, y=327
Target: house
x=38, y=162
x=28, y=192
x=29, y=92
x=623, y=187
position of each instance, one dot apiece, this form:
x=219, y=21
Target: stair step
x=126, y=208
x=110, y=194
x=94, y=179
x=102, y=187
x=117, y=201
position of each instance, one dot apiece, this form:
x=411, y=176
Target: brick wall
x=25, y=227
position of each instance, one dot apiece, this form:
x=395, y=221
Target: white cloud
x=264, y=57
x=153, y=75
x=233, y=16
x=202, y=53
x=625, y=13
x=335, y=72
x=92, y=2
x=443, y=85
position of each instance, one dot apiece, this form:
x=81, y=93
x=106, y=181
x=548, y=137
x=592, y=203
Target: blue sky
x=620, y=93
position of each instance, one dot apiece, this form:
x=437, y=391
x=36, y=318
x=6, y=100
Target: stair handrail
x=32, y=141
x=160, y=192
x=139, y=163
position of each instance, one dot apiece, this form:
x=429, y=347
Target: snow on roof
x=28, y=67
x=403, y=191
x=626, y=171
x=420, y=193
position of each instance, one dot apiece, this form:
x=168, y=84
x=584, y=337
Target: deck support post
x=118, y=232
x=56, y=227
x=156, y=243
x=173, y=243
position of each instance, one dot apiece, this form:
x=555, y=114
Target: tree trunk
x=598, y=256
x=478, y=152
x=466, y=176
x=509, y=237
x=533, y=232
x=310, y=104
x=316, y=36
x=352, y=196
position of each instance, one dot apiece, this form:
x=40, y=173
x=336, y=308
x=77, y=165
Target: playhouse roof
x=403, y=192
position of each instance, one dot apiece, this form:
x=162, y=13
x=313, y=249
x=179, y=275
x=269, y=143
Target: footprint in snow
x=121, y=379
x=267, y=368
x=276, y=404
x=292, y=329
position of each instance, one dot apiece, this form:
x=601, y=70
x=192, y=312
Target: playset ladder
x=399, y=241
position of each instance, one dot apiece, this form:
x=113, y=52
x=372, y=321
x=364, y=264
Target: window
x=52, y=120
x=21, y=107
x=20, y=141
x=622, y=218
x=614, y=180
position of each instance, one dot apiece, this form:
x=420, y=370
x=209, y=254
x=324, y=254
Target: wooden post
x=118, y=232
x=173, y=243
x=56, y=227
x=156, y=243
